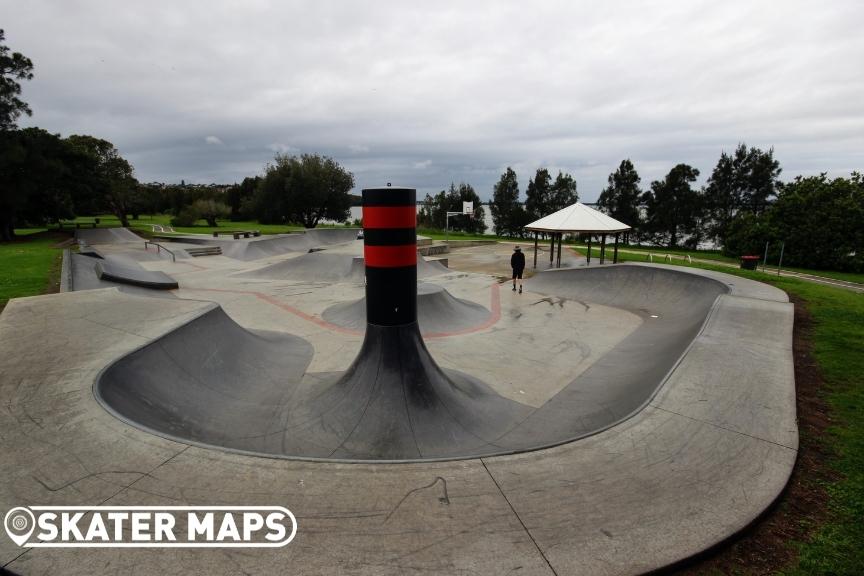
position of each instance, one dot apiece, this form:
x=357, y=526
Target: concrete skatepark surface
x=438, y=312
x=377, y=419
x=701, y=459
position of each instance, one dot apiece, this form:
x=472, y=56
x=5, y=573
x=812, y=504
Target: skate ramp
x=134, y=275
x=255, y=396
x=209, y=381
x=84, y=276
x=427, y=268
x=331, y=267
x=267, y=246
x=313, y=267
x=107, y=236
x=438, y=312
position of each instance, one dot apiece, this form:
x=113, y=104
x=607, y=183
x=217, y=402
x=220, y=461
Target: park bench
x=237, y=233
x=77, y=224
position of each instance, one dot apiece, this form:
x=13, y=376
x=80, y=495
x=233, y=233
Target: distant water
x=357, y=214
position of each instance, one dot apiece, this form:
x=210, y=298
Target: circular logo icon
x=19, y=524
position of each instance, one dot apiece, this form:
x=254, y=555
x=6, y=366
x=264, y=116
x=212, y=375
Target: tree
x=240, y=194
x=505, y=204
x=673, y=208
x=620, y=199
x=210, y=210
x=36, y=179
x=13, y=67
x=112, y=177
x=821, y=221
x=745, y=181
x=476, y=224
x=563, y=192
x=433, y=213
x=304, y=189
x=538, y=195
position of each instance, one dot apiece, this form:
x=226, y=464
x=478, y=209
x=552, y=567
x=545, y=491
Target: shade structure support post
x=560, y=241
x=535, y=249
x=589, y=249
x=552, y=250
x=615, y=255
x=603, y=249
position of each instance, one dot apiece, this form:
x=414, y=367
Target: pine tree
x=620, y=199
x=505, y=204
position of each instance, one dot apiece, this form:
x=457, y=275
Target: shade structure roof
x=578, y=218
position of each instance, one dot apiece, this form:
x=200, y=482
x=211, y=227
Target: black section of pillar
x=615, y=257
x=390, y=252
x=552, y=249
x=603, y=249
x=388, y=302
x=589, y=249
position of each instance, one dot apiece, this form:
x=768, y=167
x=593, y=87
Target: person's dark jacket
x=517, y=261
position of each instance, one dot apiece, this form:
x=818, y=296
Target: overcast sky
x=424, y=93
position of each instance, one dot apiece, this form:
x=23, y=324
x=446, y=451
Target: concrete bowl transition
x=213, y=383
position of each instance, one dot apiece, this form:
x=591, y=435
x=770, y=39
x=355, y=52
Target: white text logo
x=150, y=526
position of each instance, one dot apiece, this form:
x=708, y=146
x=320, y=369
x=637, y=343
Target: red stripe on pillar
x=389, y=216
x=390, y=256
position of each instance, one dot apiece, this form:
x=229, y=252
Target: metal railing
x=159, y=248
x=668, y=257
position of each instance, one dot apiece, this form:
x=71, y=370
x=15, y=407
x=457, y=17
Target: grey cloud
x=428, y=93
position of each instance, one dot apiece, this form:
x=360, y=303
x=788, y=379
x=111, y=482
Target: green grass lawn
x=436, y=234
x=847, y=276
x=838, y=547
x=145, y=224
x=715, y=255
x=678, y=257
x=30, y=265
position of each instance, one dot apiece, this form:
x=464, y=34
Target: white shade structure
x=577, y=218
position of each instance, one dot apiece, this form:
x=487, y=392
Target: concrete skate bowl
x=197, y=386
x=438, y=312
x=313, y=267
x=325, y=267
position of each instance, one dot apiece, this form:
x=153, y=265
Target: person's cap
x=517, y=248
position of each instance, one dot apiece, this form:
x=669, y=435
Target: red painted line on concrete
x=389, y=216
x=494, y=316
x=288, y=308
x=390, y=256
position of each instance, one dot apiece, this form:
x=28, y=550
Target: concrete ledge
x=433, y=249
x=456, y=244
x=709, y=453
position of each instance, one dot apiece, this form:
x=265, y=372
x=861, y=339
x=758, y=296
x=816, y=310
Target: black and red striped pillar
x=390, y=251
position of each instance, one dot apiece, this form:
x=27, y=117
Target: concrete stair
x=204, y=251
